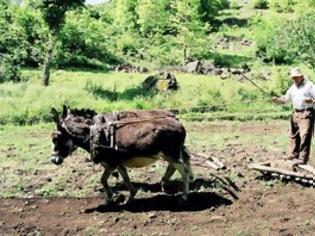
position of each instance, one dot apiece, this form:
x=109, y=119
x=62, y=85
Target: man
x=302, y=96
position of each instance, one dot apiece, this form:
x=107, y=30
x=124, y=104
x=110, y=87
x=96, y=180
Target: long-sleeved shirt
x=297, y=95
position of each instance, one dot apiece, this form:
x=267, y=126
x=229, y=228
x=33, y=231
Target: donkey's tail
x=186, y=159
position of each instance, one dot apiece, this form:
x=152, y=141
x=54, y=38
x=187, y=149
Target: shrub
x=9, y=70
x=281, y=81
x=35, y=35
x=272, y=42
x=282, y=5
x=260, y=4
x=289, y=42
x=12, y=45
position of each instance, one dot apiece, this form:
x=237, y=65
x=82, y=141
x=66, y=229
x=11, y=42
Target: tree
x=153, y=16
x=190, y=30
x=124, y=14
x=54, y=14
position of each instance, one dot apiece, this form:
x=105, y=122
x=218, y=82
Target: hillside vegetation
x=265, y=36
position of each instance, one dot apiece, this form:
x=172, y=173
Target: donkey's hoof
x=119, y=198
x=183, y=199
x=128, y=200
x=131, y=196
x=110, y=204
x=165, y=186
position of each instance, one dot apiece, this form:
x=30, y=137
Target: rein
x=113, y=125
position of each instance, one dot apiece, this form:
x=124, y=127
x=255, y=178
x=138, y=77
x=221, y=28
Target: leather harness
x=103, y=131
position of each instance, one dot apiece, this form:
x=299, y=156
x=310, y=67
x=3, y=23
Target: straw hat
x=296, y=72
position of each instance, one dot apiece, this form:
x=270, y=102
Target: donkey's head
x=63, y=144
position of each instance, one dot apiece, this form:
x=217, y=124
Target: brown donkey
x=123, y=139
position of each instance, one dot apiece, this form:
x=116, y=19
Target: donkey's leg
x=167, y=175
x=108, y=192
x=186, y=160
x=183, y=170
x=124, y=174
x=191, y=175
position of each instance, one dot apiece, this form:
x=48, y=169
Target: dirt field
x=263, y=207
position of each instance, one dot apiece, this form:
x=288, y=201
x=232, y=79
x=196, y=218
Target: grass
x=29, y=102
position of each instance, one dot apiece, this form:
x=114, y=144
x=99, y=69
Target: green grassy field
x=29, y=102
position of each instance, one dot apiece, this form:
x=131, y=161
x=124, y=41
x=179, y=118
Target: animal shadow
x=197, y=201
x=172, y=187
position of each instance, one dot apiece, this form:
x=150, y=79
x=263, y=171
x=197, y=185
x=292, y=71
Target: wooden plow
x=225, y=182
x=287, y=170
x=206, y=162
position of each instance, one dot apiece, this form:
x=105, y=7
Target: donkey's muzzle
x=57, y=160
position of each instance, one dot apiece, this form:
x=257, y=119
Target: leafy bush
x=282, y=81
x=282, y=5
x=260, y=4
x=35, y=33
x=272, y=44
x=288, y=42
x=9, y=71
x=82, y=44
x=12, y=45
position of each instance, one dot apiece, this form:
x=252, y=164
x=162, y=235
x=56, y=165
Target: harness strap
x=108, y=125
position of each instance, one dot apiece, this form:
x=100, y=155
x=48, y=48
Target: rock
x=34, y=207
x=116, y=219
x=219, y=71
x=162, y=81
x=246, y=42
x=206, y=68
x=225, y=74
x=235, y=71
x=152, y=215
x=192, y=67
x=149, y=82
x=127, y=68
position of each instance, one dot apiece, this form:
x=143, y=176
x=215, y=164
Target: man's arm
x=311, y=99
x=283, y=99
x=279, y=100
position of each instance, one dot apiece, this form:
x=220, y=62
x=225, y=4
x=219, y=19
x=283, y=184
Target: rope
x=190, y=109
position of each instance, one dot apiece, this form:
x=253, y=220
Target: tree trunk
x=46, y=70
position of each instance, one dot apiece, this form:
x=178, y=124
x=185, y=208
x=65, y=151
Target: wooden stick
x=277, y=171
x=307, y=168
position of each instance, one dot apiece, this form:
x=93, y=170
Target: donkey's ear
x=66, y=111
x=56, y=119
x=55, y=114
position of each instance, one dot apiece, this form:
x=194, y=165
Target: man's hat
x=296, y=72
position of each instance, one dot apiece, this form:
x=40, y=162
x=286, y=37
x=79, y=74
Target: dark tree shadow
x=112, y=95
x=197, y=201
x=230, y=61
x=233, y=21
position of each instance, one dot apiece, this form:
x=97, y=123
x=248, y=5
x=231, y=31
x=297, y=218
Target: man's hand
x=277, y=100
x=309, y=100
